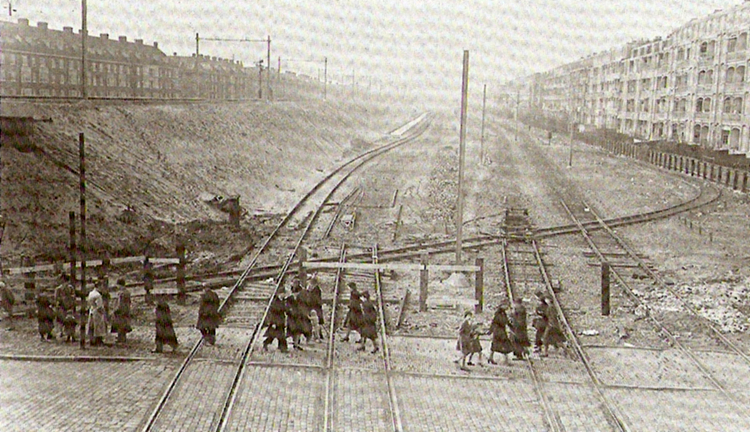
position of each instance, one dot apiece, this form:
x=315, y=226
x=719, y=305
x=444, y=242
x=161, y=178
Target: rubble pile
x=721, y=301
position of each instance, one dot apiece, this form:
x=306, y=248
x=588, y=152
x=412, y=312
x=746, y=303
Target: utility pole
x=268, y=63
x=461, y=156
x=260, y=79
x=518, y=101
x=481, y=140
x=197, y=45
x=82, y=184
x=325, y=78
x=84, y=34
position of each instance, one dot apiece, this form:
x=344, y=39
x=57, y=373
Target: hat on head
x=352, y=285
x=468, y=314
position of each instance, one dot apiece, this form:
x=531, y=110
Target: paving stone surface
x=647, y=368
x=665, y=411
x=361, y=401
x=460, y=404
x=72, y=396
x=578, y=407
x=272, y=398
x=198, y=397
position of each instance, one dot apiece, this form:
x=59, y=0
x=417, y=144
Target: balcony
x=737, y=55
x=732, y=118
x=736, y=87
x=706, y=60
x=703, y=116
x=704, y=88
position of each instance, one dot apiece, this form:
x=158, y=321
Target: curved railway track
x=243, y=313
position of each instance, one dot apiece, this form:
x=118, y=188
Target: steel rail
x=328, y=404
x=386, y=354
x=658, y=324
x=366, y=156
x=656, y=278
x=552, y=420
x=611, y=411
x=231, y=398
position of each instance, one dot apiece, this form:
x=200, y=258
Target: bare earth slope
x=163, y=160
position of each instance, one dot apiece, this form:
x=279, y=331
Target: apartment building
x=691, y=86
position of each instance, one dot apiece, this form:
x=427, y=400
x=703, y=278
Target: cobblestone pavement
x=649, y=410
x=360, y=401
x=272, y=398
x=71, y=396
x=461, y=404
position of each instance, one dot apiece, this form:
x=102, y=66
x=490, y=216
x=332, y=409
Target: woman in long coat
x=45, y=316
x=208, y=316
x=353, y=318
x=97, y=323
x=468, y=341
x=518, y=331
x=276, y=323
x=121, y=316
x=164, y=328
x=553, y=334
x=500, y=340
x=369, y=323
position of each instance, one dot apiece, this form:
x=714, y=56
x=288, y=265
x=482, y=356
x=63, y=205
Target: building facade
x=36, y=61
x=691, y=87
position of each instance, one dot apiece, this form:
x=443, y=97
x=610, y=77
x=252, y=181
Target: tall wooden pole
x=82, y=242
x=84, y=35
x=325, y=78
x=481, y=140
x=461, y=157
x=268, y=62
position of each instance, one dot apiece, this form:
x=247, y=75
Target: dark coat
x=500, y=340
x=369, y=323
x=298, y=317
x=518, y=328
x=208, y=311
x=164, y=327
x=353, y=319
x=121, y=315
x=7, y=300
x=276, y=319
x=45, y=315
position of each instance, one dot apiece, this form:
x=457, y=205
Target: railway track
x=525, y=274
x=687, y=334
x=186, y=400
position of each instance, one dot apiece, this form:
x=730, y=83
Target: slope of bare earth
x=164, y=160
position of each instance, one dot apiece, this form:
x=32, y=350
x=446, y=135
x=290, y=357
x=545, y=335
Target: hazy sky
x=416, y=45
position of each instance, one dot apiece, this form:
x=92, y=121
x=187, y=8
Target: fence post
x=148, y=279
x=479, y=285
x=423, y=278
x=180, y=277
x=302, y=273
x=605, y=288
x=29, y=285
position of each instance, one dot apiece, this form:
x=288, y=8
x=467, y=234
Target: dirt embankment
x=162, y=161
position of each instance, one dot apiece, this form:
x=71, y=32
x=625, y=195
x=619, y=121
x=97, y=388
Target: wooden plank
x=89, y=263
x=389, y=266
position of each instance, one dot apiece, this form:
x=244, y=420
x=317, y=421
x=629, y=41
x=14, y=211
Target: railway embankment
x=151, y=168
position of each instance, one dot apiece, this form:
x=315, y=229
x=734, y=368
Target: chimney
x=42, y=25
x=156, y=45
x=68, y=29
x=123, y=39
x=23, y=21
x=139, y=41
x=104, y=36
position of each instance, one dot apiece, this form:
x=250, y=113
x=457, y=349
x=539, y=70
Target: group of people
x=59, y=311
x=362, y=317
x=510, y=333
x=295, y=315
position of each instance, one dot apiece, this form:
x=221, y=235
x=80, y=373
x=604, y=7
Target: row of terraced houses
x=39, y=61
x=691, y=87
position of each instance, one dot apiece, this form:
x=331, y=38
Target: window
x=731, y=44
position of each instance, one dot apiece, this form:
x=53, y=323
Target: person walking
x=45, y=316
x=354, y=315
x=276, y=323
x=540, y=320
x=7, y=301
x=553, y=334
x=121, y=316
x=164, y=327
x=518, y=329
x=369, y=320
x=500, y=340
x=97, y=324
x=467, y=340
x=208, y=316
x=298, y=318
x=315, y=303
